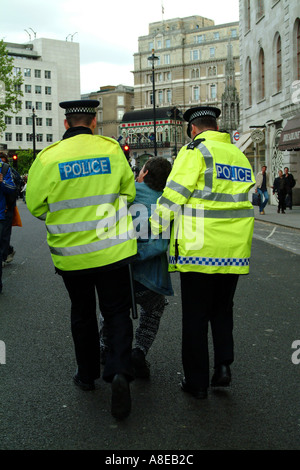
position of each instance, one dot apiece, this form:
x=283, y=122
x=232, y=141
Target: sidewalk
x=291, y=218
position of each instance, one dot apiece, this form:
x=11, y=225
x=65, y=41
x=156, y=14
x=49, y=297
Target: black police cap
x=199, y=112
x=80, y=106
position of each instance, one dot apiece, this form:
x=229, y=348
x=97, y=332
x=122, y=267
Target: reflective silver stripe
x=162, y=222
x=163, y=201
x=198, y=193
x=209, y=161
x=224, y=214
x=83, y=226
x=83, y=202
x=43, y=216
x=179, y=189
x=92, y=247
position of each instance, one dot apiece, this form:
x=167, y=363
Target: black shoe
x=221, y=377
x=140, y=366
x=84, y=386
x=120, y=397
x=197, y=393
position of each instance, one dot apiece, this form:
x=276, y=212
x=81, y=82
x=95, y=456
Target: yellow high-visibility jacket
x=206, y=197
x=80, y=186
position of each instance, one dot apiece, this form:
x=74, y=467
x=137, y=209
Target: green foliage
x=9, y=87
x=25, y=160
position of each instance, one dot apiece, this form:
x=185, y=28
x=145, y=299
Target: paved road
x=40, y=408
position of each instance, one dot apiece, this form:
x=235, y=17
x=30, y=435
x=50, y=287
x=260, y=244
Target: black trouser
x=206, y=298
x=113, y=289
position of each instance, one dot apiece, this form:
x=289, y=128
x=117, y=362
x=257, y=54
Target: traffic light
x=15, y=161
x=126, y=151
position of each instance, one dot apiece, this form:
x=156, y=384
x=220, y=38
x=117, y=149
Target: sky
x=107, y=32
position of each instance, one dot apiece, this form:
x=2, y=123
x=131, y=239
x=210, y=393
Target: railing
x=148, y=145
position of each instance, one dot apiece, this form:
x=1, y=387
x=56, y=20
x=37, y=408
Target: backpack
x=11, y=197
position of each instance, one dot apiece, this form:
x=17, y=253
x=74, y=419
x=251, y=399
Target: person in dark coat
x=280, y=187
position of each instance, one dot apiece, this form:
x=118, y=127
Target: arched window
x=261, y=78
x=278, y=65
x=298, y=49
x=249, y=80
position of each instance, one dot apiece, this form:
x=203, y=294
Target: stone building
x=270, y=86
x=190, y=68
x=115, y=101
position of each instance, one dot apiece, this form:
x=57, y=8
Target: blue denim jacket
x=151, y=265
x=7, y=186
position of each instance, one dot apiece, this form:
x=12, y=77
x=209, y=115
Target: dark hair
x=3, y=155
x=205, y=122
x=80, y=119
x=158, y=171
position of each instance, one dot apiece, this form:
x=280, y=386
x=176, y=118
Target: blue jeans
x=264, y=197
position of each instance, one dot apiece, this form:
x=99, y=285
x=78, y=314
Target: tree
x=10, y=86
x=25, y=160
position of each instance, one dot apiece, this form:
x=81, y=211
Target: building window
x=28, y=104
x=8, y=136
x=29, y=137
x=47, y=90
x=260, y=9
x=212, y=52
x=167, y=59
x=48, y=106
x=169, y=96
x=48, y=121
x=19, y=137
x=217, y=35
x=48, y=74
x=168, y=76
x=7, y=120
x=120, y=114
x=248, y=15
x=298, y=51
x=150, y=46
x=27, y=72
x=29, y=121
x=195, y=54
x=39, y=137
x=49, y=137
x=213, y=92
x=160, y=97
x=37, y=74
x=200, y=38
x=159, y=44
x=278, y=65
x=38, y=105
x=17, y=87
x=249, y=83
x=261, y=63
x=233, y=33
x=195, y=73
x=168, y=43
x=18, y=121
x=38, y=89
x=195, y=93
x=16, y=70
x=27, y=88
x=120, y=100
x=39, y=121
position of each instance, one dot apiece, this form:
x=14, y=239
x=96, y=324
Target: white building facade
x=270, y=86
x=51, y=73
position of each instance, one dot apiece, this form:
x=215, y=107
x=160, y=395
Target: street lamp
x=153, y=58
x=33, y=131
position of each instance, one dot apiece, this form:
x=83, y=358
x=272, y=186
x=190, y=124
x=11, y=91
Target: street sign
x=236, y=136
x=257, y=136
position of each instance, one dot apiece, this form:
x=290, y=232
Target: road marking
x=269, y=236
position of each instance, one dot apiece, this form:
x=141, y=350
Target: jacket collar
x=72, y=131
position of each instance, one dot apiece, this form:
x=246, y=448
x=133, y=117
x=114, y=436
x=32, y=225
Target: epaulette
x=192, y=145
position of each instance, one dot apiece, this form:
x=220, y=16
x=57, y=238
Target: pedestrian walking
x=206, y=201
x=279, y=187
x=261, y=187
x=290, y=183
x=80, y=187
x=7, y=188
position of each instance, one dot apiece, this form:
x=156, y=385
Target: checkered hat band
x=205, y=112
x=83, y=110
x=210, y=261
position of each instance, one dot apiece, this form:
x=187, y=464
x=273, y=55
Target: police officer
x=80, y=187
x=207, y=196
